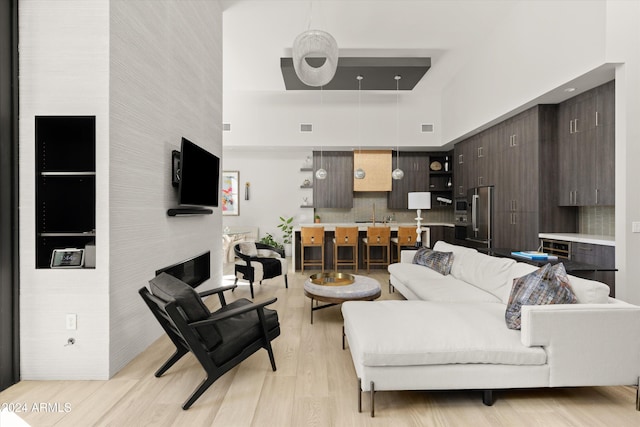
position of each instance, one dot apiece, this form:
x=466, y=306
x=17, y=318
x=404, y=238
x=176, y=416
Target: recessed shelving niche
x=65, y=184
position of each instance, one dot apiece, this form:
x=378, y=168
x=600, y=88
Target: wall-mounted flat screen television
x=199, y=176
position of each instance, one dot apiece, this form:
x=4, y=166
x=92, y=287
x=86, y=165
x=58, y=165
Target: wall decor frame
x=230, y=192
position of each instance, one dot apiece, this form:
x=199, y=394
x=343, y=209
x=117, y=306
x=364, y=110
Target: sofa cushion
x=459, y=253
x=519, y=269
x=405, y=272
x=405, y=333
x=586, y=291
x=248, y=248
x=589, y=291
x=435, y=260
x=449, y=289
x=546, y=285
x=429, y=285
x=489, y=273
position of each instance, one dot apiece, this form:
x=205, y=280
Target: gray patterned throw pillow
x=437, y=261
x=547, y=285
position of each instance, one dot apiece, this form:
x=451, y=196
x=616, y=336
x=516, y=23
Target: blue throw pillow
x=437, y=261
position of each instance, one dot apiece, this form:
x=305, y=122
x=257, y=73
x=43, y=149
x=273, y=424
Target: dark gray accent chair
x=218, y=340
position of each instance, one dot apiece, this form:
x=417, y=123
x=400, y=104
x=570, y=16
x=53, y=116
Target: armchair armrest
x=586, y=344
x=279, y=251
x=216, y=317
x=219, y=290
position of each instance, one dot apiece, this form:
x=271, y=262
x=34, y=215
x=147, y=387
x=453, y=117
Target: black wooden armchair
x=219, y=340
x=258, y=261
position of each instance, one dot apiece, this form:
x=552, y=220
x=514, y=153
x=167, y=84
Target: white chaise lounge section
x=451, y=334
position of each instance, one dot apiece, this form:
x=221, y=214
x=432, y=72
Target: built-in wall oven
x=460, y=221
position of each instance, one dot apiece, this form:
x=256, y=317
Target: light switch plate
x=635, y=227
x=72, y=321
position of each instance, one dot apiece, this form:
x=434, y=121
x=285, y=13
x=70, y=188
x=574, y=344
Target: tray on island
x=332, y=279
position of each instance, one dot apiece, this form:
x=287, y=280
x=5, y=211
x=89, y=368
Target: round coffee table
x=362, y=289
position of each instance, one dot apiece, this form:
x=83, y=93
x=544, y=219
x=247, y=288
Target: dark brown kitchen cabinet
x=336, y=190
x=605, y=145
x=415, y=166
x=475, y=161
x=436, y=233
x=440, y=232
x=459, y=183
x=518, y=196
x=586, y=158
x=601, y=255
x=517, y=157
x=470, y=157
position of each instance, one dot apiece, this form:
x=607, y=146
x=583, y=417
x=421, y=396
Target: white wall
x=275, y=180
x=64, y=70
x=150, y=71
x=539, y=47
x=623, y=41
x=267, y=118
x=166, y=82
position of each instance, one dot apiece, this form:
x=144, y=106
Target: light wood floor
x=315, y=385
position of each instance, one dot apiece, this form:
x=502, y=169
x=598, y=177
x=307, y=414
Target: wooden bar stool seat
x=345, y=237
x=377, y=237
x=312, y=237
x=406, y=239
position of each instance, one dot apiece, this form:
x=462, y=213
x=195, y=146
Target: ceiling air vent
x=306, y=127
x=226, y=127
x=427, y=128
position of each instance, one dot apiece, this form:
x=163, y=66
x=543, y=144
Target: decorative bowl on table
x=332, y=279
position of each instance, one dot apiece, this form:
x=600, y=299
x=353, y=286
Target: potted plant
x=269, y=240
x=287, y=230
x=316, y=219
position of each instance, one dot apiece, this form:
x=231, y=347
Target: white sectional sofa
x=451, y=332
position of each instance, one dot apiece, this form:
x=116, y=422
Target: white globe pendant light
x=315, y=44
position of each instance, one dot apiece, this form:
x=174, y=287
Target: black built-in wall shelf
x=65, y=184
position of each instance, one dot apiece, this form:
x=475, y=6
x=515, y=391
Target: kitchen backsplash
x=362, y=210
x=599, y=220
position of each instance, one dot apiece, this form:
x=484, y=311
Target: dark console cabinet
x=65, y=184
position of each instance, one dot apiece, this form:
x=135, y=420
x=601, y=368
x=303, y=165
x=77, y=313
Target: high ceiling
x=258, y=32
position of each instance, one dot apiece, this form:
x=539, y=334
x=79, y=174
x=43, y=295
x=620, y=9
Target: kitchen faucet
x=374, y=215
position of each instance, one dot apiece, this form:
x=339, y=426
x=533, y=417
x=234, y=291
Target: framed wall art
x=230, y=199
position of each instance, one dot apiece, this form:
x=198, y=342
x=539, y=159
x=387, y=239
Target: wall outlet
x=635, y=227
x=72, y=321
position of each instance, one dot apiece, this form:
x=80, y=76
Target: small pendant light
x=321, y=173
x=397, y=172
x=359, y=173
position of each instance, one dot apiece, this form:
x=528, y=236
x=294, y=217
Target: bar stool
x=312, y=237
x=345, y=237
x=377, y=237
x=406, y=238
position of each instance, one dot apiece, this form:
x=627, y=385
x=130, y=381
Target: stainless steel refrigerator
x=480, y=216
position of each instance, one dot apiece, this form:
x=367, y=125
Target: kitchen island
x=585, y=248
x=428, y=230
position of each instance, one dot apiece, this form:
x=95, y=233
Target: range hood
x=378, y=73
x=377, y=167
